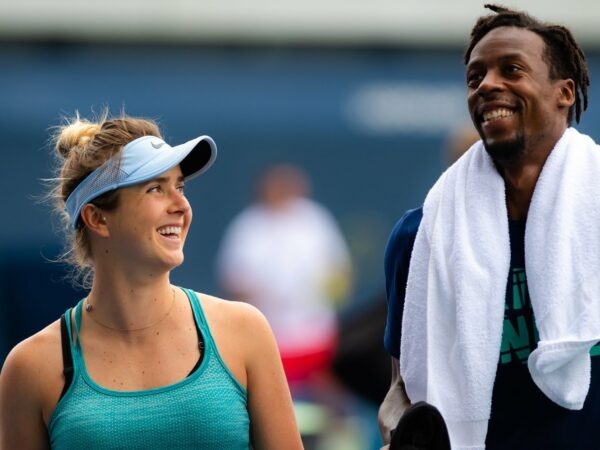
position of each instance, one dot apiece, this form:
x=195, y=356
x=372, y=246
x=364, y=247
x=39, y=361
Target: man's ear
x=566, y=96
x=94, y=220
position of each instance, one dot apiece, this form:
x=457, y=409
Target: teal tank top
x=206, y=410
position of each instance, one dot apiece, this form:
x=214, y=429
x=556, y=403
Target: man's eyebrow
x=507, y=56
x=514, y=55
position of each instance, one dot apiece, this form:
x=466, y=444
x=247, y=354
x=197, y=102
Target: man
x=286, y=254
x=507, y=369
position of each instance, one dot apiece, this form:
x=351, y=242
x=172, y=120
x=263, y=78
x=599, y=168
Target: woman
x=144, y=364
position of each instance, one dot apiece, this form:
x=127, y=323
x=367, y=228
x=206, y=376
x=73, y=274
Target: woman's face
x=149, y=226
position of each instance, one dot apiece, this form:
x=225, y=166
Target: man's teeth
x=170, y=230
x=496, y=114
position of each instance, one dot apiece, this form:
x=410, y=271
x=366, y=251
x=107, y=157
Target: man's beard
x=506, y=152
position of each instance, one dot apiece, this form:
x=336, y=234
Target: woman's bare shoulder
x=30, y=384
x=241, y=333
x=34, y=358
x=238, y=314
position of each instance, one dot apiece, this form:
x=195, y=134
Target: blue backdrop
x=367, y=125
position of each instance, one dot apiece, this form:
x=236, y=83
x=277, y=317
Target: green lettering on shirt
x=519, y=283
x=519, y=336
x=515, y=339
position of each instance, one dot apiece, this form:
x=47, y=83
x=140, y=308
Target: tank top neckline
x=80, y=367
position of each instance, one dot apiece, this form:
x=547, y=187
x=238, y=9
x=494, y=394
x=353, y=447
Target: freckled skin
x=142, y=210
x=133, y=249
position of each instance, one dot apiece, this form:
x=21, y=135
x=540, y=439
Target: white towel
x=454, y=307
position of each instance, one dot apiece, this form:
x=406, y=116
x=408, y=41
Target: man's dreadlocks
x=563, y=55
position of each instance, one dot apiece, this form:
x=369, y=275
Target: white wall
x=337, y=22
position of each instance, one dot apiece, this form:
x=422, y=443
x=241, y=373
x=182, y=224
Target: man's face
x=512, y=101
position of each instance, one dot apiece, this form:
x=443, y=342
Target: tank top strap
x=210, y=346
x=72, y=343
x=197, y=309
x=68, y=324
x=67, y=340
x=78, y=309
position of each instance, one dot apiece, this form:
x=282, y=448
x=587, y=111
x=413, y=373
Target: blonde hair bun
x=76, y=133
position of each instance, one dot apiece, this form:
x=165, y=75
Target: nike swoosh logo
x=157, y=145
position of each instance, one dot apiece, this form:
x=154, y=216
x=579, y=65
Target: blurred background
x=362, y=96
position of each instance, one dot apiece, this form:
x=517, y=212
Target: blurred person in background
x=494, y=324
x=140, y=363
x=286, y=255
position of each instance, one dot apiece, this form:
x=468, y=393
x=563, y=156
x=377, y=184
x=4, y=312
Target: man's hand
x=393, y=406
